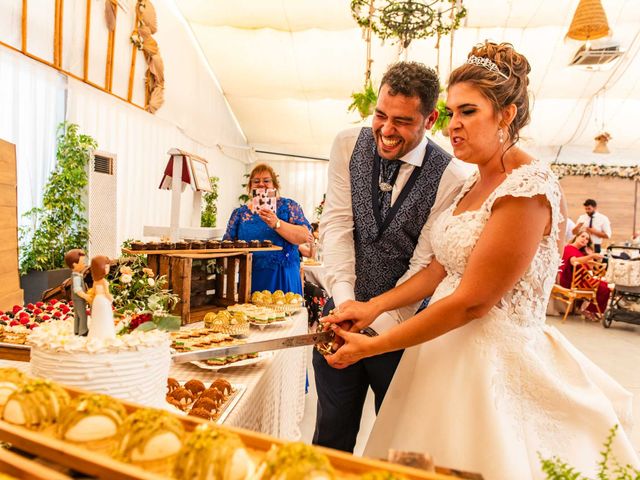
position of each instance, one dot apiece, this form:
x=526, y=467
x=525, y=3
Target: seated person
x=578, y=253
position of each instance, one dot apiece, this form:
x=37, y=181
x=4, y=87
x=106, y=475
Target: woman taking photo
x=287, y=227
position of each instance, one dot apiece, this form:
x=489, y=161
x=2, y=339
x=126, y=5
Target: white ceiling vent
x=596, y=54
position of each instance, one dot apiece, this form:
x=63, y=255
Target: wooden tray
x=20, y=467
x=15, y=351
x=101, y=466
x=200, y=251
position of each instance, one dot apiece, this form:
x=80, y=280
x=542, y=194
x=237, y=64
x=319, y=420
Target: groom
x=385, y=184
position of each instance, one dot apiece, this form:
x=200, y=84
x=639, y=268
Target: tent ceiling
x=288, y=67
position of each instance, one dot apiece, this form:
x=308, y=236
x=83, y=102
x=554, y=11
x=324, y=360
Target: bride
x=487, y=386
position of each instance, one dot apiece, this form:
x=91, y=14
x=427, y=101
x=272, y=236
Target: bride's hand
x=355, y=347
x=361, y=314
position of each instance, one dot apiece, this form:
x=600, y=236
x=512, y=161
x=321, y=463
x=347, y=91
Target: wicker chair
x=584, y=286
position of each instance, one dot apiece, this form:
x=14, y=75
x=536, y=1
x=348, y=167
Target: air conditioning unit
x=599, y=53
x=102, y=211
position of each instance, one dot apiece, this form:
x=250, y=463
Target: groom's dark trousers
x=342, y=394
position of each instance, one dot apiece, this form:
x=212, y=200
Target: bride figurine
x=101, y=324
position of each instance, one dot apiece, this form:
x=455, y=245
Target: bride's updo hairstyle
x=501, y=75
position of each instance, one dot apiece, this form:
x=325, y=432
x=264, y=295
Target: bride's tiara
x=484, y=62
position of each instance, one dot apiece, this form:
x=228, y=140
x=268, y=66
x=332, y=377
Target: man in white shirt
x=594, y=223
x=386, y=185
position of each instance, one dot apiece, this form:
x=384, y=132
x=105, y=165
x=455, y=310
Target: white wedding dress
x=101, y=323
x=490, y=396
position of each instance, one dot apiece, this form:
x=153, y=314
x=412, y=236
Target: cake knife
x=255, y=347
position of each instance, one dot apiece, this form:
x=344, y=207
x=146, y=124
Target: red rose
x=57, y=314
x=24, y=320
x=70, y=303
x=37, y=311
x=16, y=309
x=33, y=325
x=53, y=301
x=23, y=315
x=14, y=323
x=46, y=317
x=39, y=304
x=31, y=306
x=4, y=317
x=64, y=309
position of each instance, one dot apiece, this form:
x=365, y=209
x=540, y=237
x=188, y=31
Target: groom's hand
x=337, y=341
x=360, y=314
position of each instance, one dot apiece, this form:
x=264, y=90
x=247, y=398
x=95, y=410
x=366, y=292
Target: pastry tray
x=227, y=407
x=79, y=459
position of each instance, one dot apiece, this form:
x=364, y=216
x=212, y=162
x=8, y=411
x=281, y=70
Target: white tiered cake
x=131, y=367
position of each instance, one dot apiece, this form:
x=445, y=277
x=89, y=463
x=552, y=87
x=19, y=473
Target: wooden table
x=230, y=282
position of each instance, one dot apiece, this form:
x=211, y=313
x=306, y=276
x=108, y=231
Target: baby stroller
x=624, y=272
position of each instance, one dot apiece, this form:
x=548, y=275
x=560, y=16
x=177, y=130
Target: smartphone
x=264, y=198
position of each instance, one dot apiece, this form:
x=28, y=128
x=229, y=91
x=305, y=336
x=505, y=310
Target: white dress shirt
x=600, y=222
x=337, y=225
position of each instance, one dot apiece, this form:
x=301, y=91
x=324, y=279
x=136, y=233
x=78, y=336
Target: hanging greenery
x=60, y=224
x=208, y=216
x=407, y=20
x=593, y=170
x=365, y=101
x=442, y=123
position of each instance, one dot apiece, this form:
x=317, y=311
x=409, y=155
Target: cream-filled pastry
x=214, y=454
x=92, y=420
x=295, y=461
x=151, y=439
x=10, y=380
x=36, y=404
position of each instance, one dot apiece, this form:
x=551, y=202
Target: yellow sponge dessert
x=295, y=461
x=36, y=404
x=92, y=421
x=150, y=439
x=211, y=453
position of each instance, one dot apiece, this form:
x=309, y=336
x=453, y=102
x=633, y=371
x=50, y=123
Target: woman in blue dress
x=287, y=228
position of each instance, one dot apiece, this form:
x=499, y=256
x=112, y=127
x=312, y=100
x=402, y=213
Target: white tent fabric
x=34, y=98
x=288, y=67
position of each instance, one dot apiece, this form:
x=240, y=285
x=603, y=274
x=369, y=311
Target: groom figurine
x=75, y=260
x=385, y=185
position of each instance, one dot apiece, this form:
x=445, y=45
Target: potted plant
x=364, y=102
x=60, y=224
x=208, y=216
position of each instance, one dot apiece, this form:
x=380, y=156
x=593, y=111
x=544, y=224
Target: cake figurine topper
x=101, y=325
x=75, y=260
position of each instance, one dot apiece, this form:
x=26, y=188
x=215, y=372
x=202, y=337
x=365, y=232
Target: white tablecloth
x=273, y=402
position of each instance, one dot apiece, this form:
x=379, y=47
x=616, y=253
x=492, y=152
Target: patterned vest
x=384, y=250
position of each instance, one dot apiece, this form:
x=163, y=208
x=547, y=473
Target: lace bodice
x=454, y=236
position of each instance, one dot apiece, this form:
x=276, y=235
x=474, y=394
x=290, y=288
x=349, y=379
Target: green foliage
x=60, y=224
x=365, y=101
x=135, y=288
x=557, y=469
x=320, y=208
x=209, y=214
x=244, y=197
x=442, y=123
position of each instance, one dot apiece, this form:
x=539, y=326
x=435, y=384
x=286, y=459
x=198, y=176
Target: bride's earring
x=501, y=136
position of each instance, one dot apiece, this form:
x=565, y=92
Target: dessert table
x=273, y=402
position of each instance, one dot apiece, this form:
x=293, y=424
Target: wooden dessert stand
x=198, y=292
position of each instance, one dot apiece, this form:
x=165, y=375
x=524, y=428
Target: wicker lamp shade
x=589, y=22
